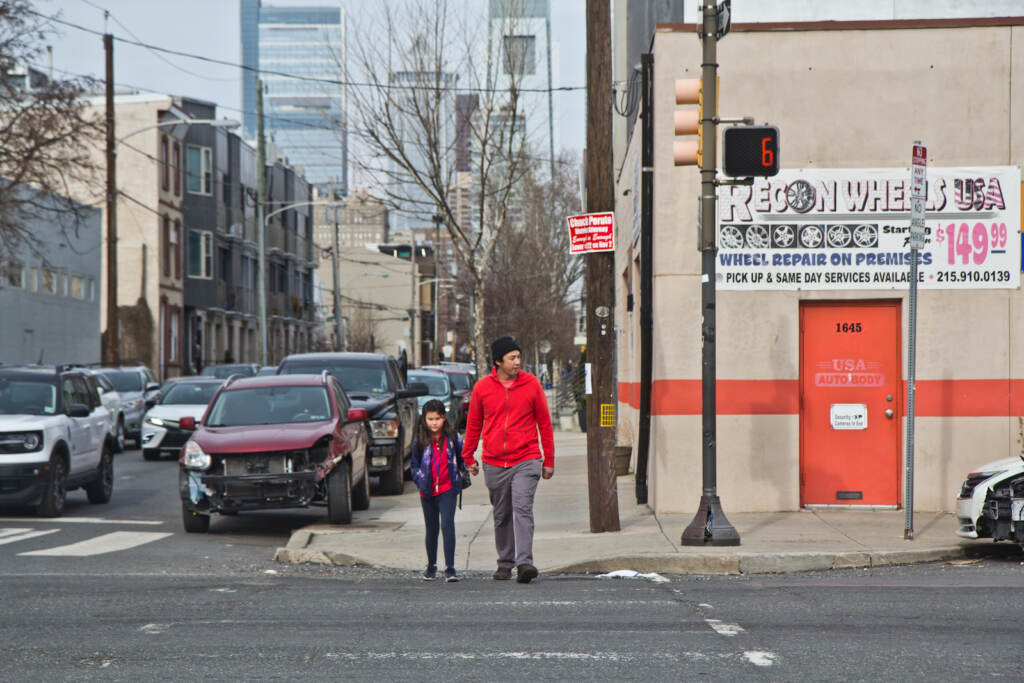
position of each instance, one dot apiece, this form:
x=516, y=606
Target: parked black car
x=375, y=383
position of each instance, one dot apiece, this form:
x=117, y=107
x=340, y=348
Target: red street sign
x=919, y=164
x=591, y=232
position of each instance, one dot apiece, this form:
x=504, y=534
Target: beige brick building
x=849, y=99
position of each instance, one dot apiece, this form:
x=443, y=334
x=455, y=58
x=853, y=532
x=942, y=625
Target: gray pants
x=512, y=490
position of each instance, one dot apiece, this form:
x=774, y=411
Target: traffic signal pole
x=709, y=525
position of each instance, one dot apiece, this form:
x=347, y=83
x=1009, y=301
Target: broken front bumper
x=202, y=492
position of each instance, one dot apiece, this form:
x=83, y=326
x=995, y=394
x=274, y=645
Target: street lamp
x=262, y=265
x=112, y=353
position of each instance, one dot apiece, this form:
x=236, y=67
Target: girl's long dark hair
x=423, y=435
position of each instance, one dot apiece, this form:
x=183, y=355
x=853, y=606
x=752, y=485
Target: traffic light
x=687, y=122
x=749, y=151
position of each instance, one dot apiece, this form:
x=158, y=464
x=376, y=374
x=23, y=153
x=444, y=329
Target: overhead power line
x=284, y=74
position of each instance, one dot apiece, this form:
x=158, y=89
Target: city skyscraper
x=520, y=37
x=305, y=117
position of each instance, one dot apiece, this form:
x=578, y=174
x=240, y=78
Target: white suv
x=54, y=436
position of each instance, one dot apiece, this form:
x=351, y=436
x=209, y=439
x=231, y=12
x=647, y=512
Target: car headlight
x=155, y=421
x=26, y=441
x=136, y=404
x=448, y=406
x=32, y=440
x=384, y=429
x=195, y=458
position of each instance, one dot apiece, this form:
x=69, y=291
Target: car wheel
x=100, y=490
x=361, y=496
x=195, y=522
x=120, y=433
x=339, y=494
x=55, y=492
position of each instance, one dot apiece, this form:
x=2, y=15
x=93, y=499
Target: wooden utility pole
x=111, y=338
x=600, y=274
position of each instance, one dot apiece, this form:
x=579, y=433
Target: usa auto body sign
x=848, y=228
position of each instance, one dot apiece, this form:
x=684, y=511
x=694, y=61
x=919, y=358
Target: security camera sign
x=591, y=232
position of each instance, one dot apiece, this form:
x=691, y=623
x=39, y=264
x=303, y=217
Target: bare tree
x=534, y=278
x=409, y=122
x=46, y=139
x=362, y=330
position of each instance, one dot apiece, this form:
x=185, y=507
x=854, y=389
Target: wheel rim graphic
x=865, y=236
x=811, y=236
x=757, y=237
x=732, y=238
x=784, y=235
x=838, y=235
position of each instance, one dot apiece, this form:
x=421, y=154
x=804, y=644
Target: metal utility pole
x=710, y=525
x=112, y=337
x=339, y=343
x=600, y=276
x=917, y=240
x=261, y=198
x=438, y=219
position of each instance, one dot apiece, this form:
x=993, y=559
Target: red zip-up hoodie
x=509, y=419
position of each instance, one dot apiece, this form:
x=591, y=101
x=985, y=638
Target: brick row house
x=187, y=241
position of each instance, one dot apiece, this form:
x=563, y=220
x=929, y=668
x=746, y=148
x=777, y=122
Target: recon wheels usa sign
x=848, y=229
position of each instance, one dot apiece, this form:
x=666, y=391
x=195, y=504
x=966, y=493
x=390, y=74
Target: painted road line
x=760, y=657
x=15, y=535
x=107, y=543
x=84, y=520
x=724, y=629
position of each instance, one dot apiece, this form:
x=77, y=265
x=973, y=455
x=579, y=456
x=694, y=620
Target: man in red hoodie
x=506, y=411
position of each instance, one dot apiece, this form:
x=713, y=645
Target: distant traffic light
x=750, y=151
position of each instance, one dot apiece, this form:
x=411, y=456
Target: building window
x=176, y=243
x=15, y=276
x=165, y=168
x=64, y=288
x=199, y=174
x=225, y=265
x=200, y=254
x=91, y=290
x=519, y=55
x=172, y=334
x=49, y=281
x=77, y=287
x=176, y=170
x=167, y=246
x=33, y=279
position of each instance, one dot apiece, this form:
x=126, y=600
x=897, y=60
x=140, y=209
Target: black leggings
x=435, y=508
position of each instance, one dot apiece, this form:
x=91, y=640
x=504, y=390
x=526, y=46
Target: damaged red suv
x=277, y=441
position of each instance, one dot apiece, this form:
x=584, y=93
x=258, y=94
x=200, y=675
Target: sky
x=210, y=28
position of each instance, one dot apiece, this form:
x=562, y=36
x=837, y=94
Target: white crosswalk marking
x=89, y=520
x=107, y=543
x=15, y=535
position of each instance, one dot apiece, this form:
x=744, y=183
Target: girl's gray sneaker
x=430, y=574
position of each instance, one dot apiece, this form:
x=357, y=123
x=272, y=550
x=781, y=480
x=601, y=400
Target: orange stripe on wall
x=935, y=397
x=733, y=396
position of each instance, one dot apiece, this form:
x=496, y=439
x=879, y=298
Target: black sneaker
x=525, y=573
x=430, y=573
x=503, y=574
x=450, y=576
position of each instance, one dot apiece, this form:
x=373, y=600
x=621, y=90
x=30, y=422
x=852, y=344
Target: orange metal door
x=850, y=408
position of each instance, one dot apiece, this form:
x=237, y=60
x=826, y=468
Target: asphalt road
x=190, y=607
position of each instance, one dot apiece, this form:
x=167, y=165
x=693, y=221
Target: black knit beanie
x=501, y=346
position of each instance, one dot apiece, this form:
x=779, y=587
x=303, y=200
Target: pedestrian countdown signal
x=750, y=151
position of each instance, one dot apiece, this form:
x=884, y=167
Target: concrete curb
x=718, y=564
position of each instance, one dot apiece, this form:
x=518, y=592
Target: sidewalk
x=390, y=534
